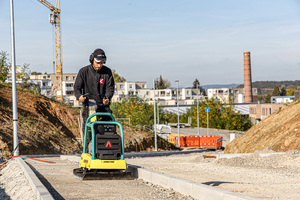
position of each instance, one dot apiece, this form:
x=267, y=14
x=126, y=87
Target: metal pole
x=178, y=115
x=14, y=88
x=198, y=111
x=207, y=124
x=157, y=113
x=155, y=136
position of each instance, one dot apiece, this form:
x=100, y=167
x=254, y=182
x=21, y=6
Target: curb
x=185, y=187
x=38, y=188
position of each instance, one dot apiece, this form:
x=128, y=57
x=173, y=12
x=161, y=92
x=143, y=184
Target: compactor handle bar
x=100, y=114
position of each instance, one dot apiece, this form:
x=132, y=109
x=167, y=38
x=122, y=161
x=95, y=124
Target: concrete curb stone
x=185, y=187
x=38, y=188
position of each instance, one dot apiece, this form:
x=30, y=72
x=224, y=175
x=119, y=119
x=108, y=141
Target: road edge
x=39, y=190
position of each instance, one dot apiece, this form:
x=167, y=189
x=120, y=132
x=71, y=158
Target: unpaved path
x=273, y=177
x=61, y=183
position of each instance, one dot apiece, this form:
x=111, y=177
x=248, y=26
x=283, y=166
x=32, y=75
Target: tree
x=25, y=73
x=36, y=73
x=4, y=66
x=290, y=92
x=276, y=91
x=220, y=116
x=117, y=77
x=161, y=83
x=283, y=91
x=196, y=84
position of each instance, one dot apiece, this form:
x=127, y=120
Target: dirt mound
x=280, y=132
x=48, y=127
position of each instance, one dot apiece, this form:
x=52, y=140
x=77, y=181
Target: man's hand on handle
x=82, y=99
x=105, y=101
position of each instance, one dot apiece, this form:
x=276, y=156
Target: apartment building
x=186, y=96
x=47, y=83
x=123, y=89
x=258, y=112
x=9, y=75
x=236, y=95
x=282, y=99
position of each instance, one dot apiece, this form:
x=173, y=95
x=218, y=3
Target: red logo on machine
x=108, y=144
x=101, y=81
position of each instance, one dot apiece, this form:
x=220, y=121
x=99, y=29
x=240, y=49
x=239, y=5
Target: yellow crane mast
x=55, y=20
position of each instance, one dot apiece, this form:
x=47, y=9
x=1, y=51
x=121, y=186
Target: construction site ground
x=276, y=176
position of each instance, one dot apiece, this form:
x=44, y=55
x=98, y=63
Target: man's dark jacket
x=94, y=82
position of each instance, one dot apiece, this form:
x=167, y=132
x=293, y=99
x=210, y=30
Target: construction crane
x=55, y=20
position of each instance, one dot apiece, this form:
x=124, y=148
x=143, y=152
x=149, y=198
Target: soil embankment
x=279, y=132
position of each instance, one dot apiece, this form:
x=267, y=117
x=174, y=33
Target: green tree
x=117, y=77
x=161, y=83
x=290, y=92
x=25, y=73
x=4, y=66
x=139, y=112
x=283, y=91
x=276, y=91
x=196, y=84
x=221, y=116
x=36, y=73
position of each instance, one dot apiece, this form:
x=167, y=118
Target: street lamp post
x=177, y=81
x=157, y=113
x=155, y=135
x=14, y=87
x=198, y=110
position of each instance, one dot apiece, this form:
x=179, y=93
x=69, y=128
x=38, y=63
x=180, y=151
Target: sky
x=178, y=39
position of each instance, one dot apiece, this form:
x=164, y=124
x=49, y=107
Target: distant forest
x=264, y=86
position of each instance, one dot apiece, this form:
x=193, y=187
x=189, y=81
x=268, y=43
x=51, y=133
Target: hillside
x=49, y=127
x=266, y=87
x=280, y=132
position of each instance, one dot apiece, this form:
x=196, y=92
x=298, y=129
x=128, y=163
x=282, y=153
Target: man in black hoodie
x=95, y=82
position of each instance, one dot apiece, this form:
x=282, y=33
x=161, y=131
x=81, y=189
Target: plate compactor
x=104, y=160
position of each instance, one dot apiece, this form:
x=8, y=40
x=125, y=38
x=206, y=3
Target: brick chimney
x=247, y=78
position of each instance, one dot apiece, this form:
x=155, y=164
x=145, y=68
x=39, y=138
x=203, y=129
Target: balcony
x=69, y=88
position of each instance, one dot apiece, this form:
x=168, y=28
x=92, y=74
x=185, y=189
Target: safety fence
x=207, y=141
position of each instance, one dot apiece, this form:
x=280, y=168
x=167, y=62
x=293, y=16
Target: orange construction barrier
x=207, y=141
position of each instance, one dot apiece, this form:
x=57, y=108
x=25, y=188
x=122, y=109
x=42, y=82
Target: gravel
x=270, y=177
x=13, y=183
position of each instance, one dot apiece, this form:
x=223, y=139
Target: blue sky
x=178, y=39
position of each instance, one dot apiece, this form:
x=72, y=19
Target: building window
x=147, y=93
x=70, y=92
x=130, y=85
x=121, y=86
x=67, y=78
x=74, y=77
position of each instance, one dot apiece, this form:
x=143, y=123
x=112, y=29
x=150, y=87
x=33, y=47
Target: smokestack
x=247, y=78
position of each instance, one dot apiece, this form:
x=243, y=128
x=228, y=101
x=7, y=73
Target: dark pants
x=85, y=115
